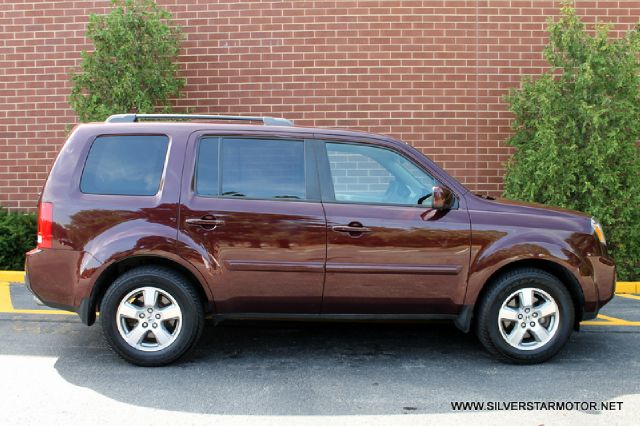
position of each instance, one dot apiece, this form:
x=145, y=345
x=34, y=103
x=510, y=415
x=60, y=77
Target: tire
x=153, y=293
x=500, y=316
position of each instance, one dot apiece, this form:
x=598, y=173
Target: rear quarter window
x=124, y=165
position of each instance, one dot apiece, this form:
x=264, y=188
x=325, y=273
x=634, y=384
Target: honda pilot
x=156, y=222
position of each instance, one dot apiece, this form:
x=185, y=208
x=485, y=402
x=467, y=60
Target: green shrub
x=576, y=131
x=17, y=236
x=133, y=67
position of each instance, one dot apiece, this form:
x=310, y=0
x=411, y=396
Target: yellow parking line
x=630, y=296
x=611, y=321
x=6, y=307
x=5, y=298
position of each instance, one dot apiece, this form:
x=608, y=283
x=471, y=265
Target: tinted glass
x=368, y=174
x=124, y=165
x=263, y=168
x=207, y=167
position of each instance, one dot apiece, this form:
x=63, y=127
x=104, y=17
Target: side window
x=263, y=168
x=207, y=167
x=252, y=168
x=369, y=174
x=124, y=165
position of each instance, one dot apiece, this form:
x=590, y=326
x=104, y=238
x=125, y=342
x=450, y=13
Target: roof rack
x=131, y=118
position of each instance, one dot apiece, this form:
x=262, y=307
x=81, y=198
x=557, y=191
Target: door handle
x=354, y=229
x=208, y=222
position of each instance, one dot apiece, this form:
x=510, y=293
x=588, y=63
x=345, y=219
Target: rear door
x=253, y=208
x=388, y=251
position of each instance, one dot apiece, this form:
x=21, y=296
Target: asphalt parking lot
x=54, y=370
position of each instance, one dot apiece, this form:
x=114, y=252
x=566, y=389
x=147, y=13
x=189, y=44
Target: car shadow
x=277, y=368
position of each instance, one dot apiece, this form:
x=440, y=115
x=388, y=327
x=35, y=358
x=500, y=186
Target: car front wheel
x=526, y=317
x=151, y=316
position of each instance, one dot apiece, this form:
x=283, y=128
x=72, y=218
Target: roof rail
x=131, y=118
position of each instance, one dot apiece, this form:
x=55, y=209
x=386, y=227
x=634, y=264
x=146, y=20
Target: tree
x=133, y=67
x=576, y=132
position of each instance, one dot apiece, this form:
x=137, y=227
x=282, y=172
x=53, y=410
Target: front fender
x=491, y=253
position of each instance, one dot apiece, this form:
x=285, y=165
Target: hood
x=504, y=206
x=507, y=205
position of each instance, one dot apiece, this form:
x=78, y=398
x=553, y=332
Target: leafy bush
x=17, y=236
x=576, y=132
x=132, y=68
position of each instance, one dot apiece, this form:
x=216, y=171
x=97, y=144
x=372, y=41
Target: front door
x=388, y=251
x=254, y=209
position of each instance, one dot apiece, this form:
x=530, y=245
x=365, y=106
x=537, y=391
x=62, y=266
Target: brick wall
x=359, y=175
x=356, y=173
x=429, y=72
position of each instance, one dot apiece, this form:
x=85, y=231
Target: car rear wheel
x=526, y=317
x=151, y=316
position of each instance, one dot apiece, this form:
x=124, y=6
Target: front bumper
x=604, y=275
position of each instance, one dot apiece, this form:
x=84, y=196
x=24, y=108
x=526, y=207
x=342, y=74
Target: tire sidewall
x=108, y=318
x=566, y=314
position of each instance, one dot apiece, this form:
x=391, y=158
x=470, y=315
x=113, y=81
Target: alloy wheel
x=149, y=319
x=528, y=319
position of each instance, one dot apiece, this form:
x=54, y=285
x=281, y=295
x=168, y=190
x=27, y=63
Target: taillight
x=45, y=225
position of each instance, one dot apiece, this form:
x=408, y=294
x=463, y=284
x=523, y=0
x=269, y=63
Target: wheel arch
x=560, y=272
x=121, y=266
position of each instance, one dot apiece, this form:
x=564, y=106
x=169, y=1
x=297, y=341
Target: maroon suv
x=156, y=225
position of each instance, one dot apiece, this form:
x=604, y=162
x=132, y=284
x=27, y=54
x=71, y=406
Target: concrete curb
x=622, y=287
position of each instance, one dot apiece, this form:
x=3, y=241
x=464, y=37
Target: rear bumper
x=50, y=280
x=28, y=286
x=82, y=310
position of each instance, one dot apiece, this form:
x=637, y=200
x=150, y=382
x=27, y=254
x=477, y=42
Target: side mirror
x=443, y=198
